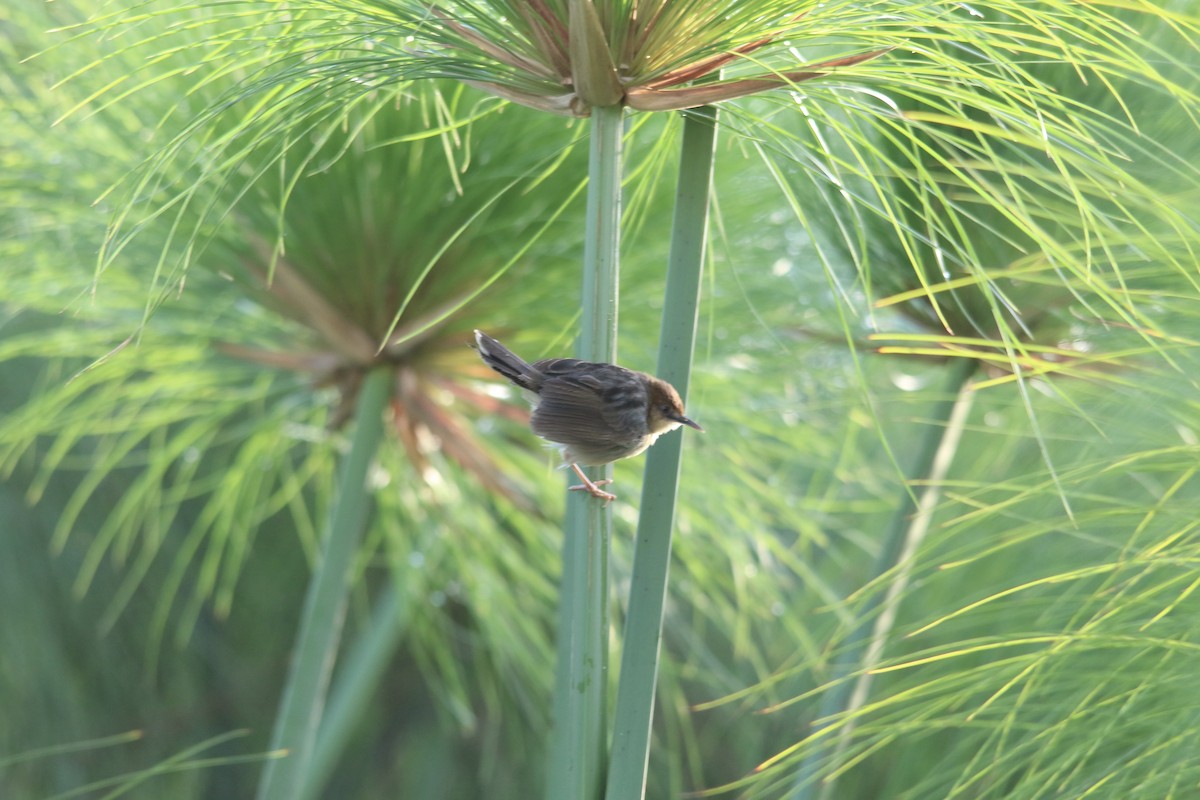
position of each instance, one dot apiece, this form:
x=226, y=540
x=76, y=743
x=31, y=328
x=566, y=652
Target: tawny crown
x=666, y=408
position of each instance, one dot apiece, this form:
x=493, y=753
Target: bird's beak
x=688, y=422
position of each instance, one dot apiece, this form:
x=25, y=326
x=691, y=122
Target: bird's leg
x=592, y=487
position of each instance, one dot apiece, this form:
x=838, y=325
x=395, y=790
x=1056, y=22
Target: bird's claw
x=593, y=488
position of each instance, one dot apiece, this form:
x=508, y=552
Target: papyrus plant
x=301, y=64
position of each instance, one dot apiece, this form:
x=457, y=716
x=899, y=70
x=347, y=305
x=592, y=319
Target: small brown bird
x=599, y=413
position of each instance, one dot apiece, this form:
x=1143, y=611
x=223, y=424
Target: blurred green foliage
x=160, y=493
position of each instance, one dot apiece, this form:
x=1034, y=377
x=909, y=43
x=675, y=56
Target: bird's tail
x=507, y=363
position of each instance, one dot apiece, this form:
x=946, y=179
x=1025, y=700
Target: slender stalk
x=357, y=682
x=908, y=527
x=576, y=749
x=652, y=550
x=325, y=604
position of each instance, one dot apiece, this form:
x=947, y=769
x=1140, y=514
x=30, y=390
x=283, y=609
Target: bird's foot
x=592, y=487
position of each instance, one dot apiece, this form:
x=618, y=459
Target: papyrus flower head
x=568, y=56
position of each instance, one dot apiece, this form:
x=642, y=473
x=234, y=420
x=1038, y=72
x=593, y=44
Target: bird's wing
x=574, y=411
x=570, y=410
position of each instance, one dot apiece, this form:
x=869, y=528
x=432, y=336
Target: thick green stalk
x=325, y=604
x=908, y=526
x=357, y=684
x=652, y=553
x=578, y=732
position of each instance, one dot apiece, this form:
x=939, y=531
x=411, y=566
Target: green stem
x=907, y=529
x=356, y=686
x=578, y=733
x=325, y=604
x=652, y=553
x=601, y=249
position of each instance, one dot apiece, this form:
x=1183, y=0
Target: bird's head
x=666, y=409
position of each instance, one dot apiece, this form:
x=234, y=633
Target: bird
x=597, y=413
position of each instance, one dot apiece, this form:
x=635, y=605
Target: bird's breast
x=594, y=453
